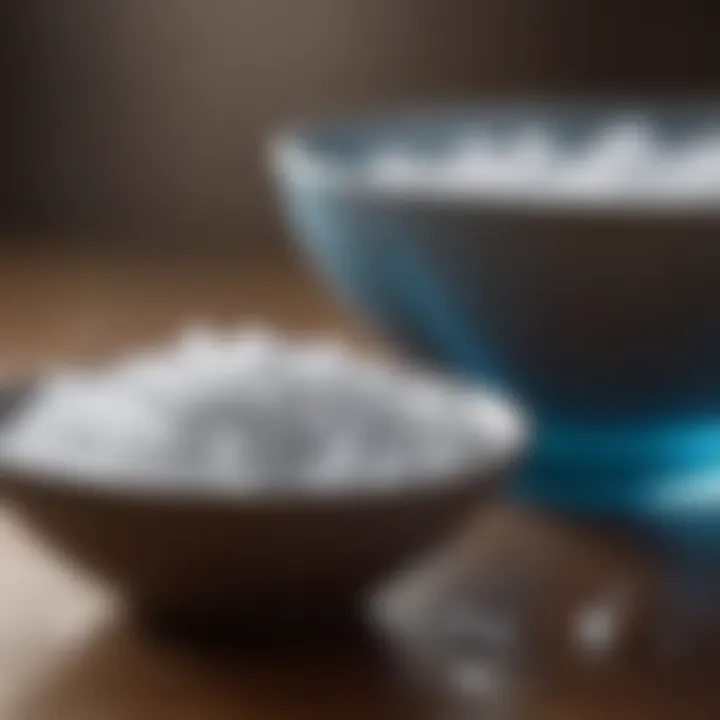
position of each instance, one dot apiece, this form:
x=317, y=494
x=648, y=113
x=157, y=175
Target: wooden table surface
x=65, y=650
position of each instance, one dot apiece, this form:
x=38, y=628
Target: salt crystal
x=625, y=159
x=247, y=409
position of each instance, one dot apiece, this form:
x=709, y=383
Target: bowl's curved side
x=238, y=561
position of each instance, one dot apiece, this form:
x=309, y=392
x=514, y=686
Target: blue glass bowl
x=604, y=319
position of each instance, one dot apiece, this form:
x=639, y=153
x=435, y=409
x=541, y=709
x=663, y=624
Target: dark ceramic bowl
x=603, y=316
x=238, y=559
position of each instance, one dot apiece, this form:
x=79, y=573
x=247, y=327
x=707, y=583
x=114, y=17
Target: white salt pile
x=255, y=411
x=625, y=162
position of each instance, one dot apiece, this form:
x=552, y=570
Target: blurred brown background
x=148, y=115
